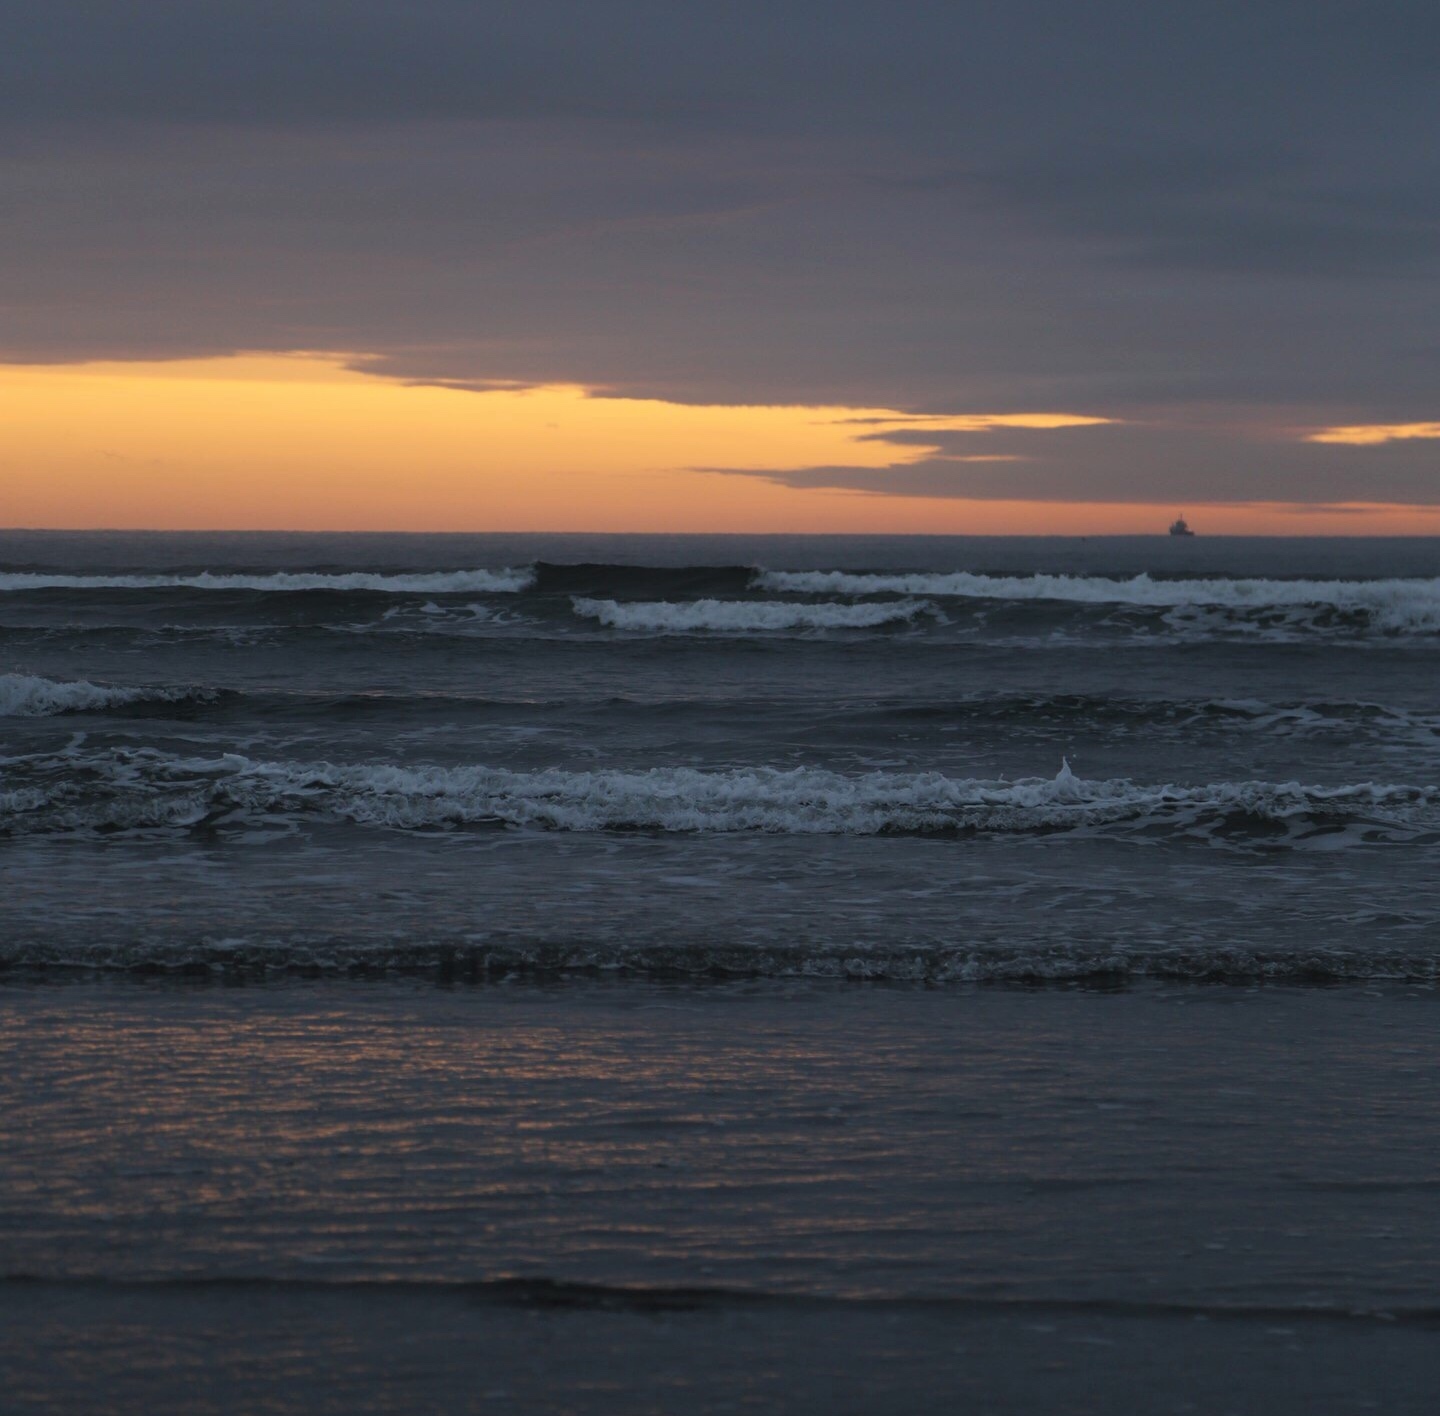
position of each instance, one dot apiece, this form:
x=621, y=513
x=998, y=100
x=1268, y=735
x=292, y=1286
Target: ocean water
x=938, y=758
x=591, y=974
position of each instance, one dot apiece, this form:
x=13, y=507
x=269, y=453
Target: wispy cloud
x=1372, y=434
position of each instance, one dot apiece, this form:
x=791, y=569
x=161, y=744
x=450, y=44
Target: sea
x=603, y=973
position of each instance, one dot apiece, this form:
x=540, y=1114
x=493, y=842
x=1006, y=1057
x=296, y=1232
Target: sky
x=1031, y=265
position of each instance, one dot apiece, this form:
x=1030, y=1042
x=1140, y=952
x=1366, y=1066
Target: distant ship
x=1180, y=527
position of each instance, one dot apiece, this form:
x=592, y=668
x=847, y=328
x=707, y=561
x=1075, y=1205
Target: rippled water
x=943, y=757
x=632, y=1196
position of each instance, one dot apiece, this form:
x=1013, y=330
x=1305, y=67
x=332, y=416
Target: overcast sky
x=1216, y=222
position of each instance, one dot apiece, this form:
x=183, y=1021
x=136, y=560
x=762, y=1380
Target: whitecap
x=28, y=696
x=149, y=788
x=440, y=582
x=1393, y=606
x=743, y=616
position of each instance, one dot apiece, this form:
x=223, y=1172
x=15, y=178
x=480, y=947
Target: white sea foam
x=742, y=616
x=26, y=696
x=431, y=615
x=440, y=582
x=1397, y=606
x=150, y=788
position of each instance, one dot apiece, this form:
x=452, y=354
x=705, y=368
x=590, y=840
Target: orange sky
x=303, y=442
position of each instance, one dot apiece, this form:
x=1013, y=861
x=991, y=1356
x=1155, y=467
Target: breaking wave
x=26, y=696
x=127, y=789
x=443, y=582
x=744, y=616
x=1389, y=606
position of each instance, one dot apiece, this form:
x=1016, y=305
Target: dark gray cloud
x=1222, y=215
x=1273, y=213
x=1115, y=462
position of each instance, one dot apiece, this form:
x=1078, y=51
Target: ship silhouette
x=1180, y=527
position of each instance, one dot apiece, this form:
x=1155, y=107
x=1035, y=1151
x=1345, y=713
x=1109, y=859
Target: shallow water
x=803, y=1196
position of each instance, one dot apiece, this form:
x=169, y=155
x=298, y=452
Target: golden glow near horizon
x=304, y=441
x=983, y=422
x=1371, y=434
x=309, y=442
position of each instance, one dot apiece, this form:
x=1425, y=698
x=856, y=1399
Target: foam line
x=743, y=616
x=1411, y=606
x=27, y=696
x=442, y=582
x=130, y=789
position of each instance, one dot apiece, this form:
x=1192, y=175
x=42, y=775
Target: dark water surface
x=423, y=974
x=637, y=1196
x=947, y=757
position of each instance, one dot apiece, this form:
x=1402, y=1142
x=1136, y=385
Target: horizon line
x=713, y=535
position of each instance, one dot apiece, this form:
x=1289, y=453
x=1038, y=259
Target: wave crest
x=27, y=696
x=1389, y=606
x=139, y=789
x=440, y=582
x=743, y=616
